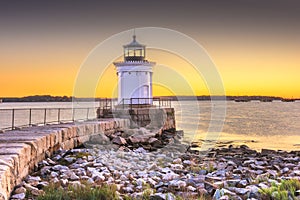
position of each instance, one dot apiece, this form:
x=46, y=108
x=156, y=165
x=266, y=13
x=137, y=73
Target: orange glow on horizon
x=263, y=72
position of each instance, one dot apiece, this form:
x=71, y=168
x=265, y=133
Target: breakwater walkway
x=21, y=150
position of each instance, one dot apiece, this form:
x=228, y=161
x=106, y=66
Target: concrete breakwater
x=21, y=150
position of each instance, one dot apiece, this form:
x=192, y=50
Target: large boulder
x=99, y=139
x=119, y=141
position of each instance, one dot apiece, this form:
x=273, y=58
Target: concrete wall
x=21, y=150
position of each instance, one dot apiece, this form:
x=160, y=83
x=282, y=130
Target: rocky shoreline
x=164, y=168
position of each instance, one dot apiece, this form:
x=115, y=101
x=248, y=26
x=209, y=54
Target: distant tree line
x=49, y=98
x=39, y=98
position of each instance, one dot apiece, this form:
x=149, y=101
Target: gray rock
x=42, y=184
x=64, y=182
x=191, y=188
x=267, y=152
x=218, y=194
x=70, y=159
x=225, y=197
x=54, y=180
x=99, y=139
x=128, y=189
x=231, y=163
x=20, y=190
x=37, y=192
x=243, y=183
x=19, y=196
x=177, y=184
x=253, y=189
x=75, y=184
x=241, y=191
x=285, y=170
x=119, y=141
x=60, y=167
x=33, y=180
x=187, y=162
x=54, y=174
x=162, y=196
x=51, y=162
x=154, y=142
x=140, y=182
x=233, y=182
x=74, y=177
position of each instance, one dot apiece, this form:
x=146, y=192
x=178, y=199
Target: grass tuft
x=85, y=192
x=284, y=190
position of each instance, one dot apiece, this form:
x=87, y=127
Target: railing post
x=45, y=116
x=30, y=117
x=87, y=114
x=13, y=119
x=73, y=114
x=58, y=115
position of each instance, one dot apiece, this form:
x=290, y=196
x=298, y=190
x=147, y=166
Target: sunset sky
x=254, y=44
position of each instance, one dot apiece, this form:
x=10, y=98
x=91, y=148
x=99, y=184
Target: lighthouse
x=134, y=75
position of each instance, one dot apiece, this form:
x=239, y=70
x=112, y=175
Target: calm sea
x=273, y=125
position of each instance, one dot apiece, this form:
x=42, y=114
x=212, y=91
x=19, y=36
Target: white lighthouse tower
x=134, y=75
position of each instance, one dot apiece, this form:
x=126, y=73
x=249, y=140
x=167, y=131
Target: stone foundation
x=149, y=117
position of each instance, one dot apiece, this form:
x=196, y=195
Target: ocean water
x=272, y=125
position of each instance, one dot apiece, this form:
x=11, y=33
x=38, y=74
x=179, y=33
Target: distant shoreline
x=49, y=98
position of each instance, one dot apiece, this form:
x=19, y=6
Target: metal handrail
x=140, y=102
x=44, y=119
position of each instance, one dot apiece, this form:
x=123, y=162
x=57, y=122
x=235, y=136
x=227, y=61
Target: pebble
x=167, y=173
x=19, y=196
x=20, y=190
